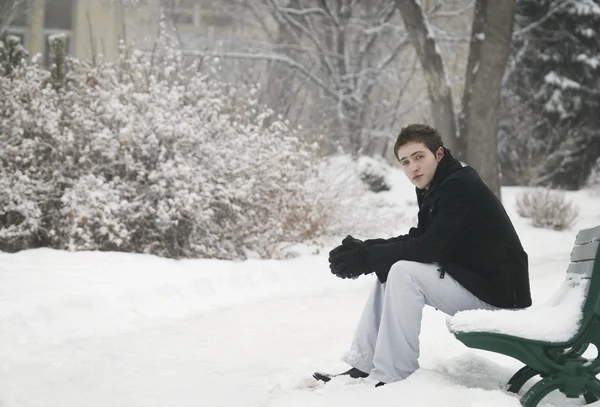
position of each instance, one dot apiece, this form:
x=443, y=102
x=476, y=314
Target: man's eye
x=404, y=163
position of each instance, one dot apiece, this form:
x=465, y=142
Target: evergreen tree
x=557, y=81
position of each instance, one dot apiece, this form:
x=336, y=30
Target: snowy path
x=121, y=330
x=251, y=354
x=222, y=358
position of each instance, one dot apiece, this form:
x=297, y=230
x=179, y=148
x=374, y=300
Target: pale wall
x=98, y=28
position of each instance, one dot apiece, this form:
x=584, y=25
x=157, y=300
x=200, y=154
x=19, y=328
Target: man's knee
x=400, y=270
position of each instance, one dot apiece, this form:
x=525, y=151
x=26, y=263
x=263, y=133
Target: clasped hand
x=350, y=259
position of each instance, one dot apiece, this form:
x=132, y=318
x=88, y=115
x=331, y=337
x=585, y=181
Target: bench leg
x=540, y=390
x=520, y=378
x=593, y=389
x=590, y=397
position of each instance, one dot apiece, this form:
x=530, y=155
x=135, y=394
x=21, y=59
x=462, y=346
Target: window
x=58, y=14
x=180, y=12
x=180, y=16
x=58, y=18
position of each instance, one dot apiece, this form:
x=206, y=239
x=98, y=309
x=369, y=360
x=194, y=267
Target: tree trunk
x=440, y=93
x=281, y=78
x=488, y=52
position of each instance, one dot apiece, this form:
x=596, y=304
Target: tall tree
x=438, y=88
x=558, y=81
x=488, y=52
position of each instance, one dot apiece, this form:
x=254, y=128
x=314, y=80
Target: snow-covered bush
x=149, y=154
x=352, y=208
x=547, y=208
x=373, y=173
x=12, y=54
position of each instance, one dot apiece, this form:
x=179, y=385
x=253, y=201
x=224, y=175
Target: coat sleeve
x=449, y=226
x=413, y=232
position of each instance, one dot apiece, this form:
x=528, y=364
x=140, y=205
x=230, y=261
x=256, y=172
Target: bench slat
x=581, y=268
x=588, y=235
x=585, y=252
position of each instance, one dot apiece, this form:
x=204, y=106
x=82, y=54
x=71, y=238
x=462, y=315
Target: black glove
x=348, y=243
x=351, y=263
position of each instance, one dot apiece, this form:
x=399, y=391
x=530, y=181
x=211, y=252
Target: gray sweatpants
x=386, y=342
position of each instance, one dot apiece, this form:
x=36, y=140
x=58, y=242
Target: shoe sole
x=322, y=377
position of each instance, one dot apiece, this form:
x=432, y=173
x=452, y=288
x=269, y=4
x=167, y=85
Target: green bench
x=549, y=339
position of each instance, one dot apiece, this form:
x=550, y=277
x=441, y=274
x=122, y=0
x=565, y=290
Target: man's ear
x=439, y=154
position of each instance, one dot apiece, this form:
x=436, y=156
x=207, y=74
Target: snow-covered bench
x=550, y=338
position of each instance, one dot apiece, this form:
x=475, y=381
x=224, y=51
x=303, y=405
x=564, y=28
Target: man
x=464, y=254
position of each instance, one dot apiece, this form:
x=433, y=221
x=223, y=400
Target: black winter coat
x=464, y=228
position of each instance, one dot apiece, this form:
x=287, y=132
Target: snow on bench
x=557, y=320
x=550, y=339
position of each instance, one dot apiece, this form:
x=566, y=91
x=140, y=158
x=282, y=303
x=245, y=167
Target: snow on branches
x=149, y=154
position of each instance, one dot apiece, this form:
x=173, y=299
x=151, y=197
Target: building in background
x=91, y=26
x=95, y=27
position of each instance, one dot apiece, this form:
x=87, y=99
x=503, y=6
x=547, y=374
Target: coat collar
x=447, y=165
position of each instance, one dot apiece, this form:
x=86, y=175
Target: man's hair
x=418, y=133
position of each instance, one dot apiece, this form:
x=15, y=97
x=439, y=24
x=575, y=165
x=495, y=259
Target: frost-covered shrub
x=149, y=154
x=547, y=208
x=352, y=208
x=373, y=173
x=12, y=54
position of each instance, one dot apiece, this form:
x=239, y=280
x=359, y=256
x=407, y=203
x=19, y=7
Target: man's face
x=419, y=163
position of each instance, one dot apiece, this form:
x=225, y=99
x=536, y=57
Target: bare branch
x=402, y=90
x=439, y=90
x=399, y=47
x=381, y=27
x=431, y=16
x=443, y=36
x=382, y=64
x=303, y=12
x=282, y=20
x=384, y=19
x=250, y=4
x=269, y=57
x=310, y=34
x=554, y=8
x=329, y=13
x=514, y=62
x=8, y=12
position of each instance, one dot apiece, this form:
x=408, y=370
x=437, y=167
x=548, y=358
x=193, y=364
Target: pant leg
x=391, y=320
x=362, y=350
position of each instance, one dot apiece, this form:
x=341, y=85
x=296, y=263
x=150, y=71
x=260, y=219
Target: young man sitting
x=464, y=254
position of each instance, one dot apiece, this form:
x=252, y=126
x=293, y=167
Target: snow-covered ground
x=114, y=329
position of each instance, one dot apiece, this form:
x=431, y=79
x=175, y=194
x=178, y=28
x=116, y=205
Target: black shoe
x=353, y=373
x=380, y=384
